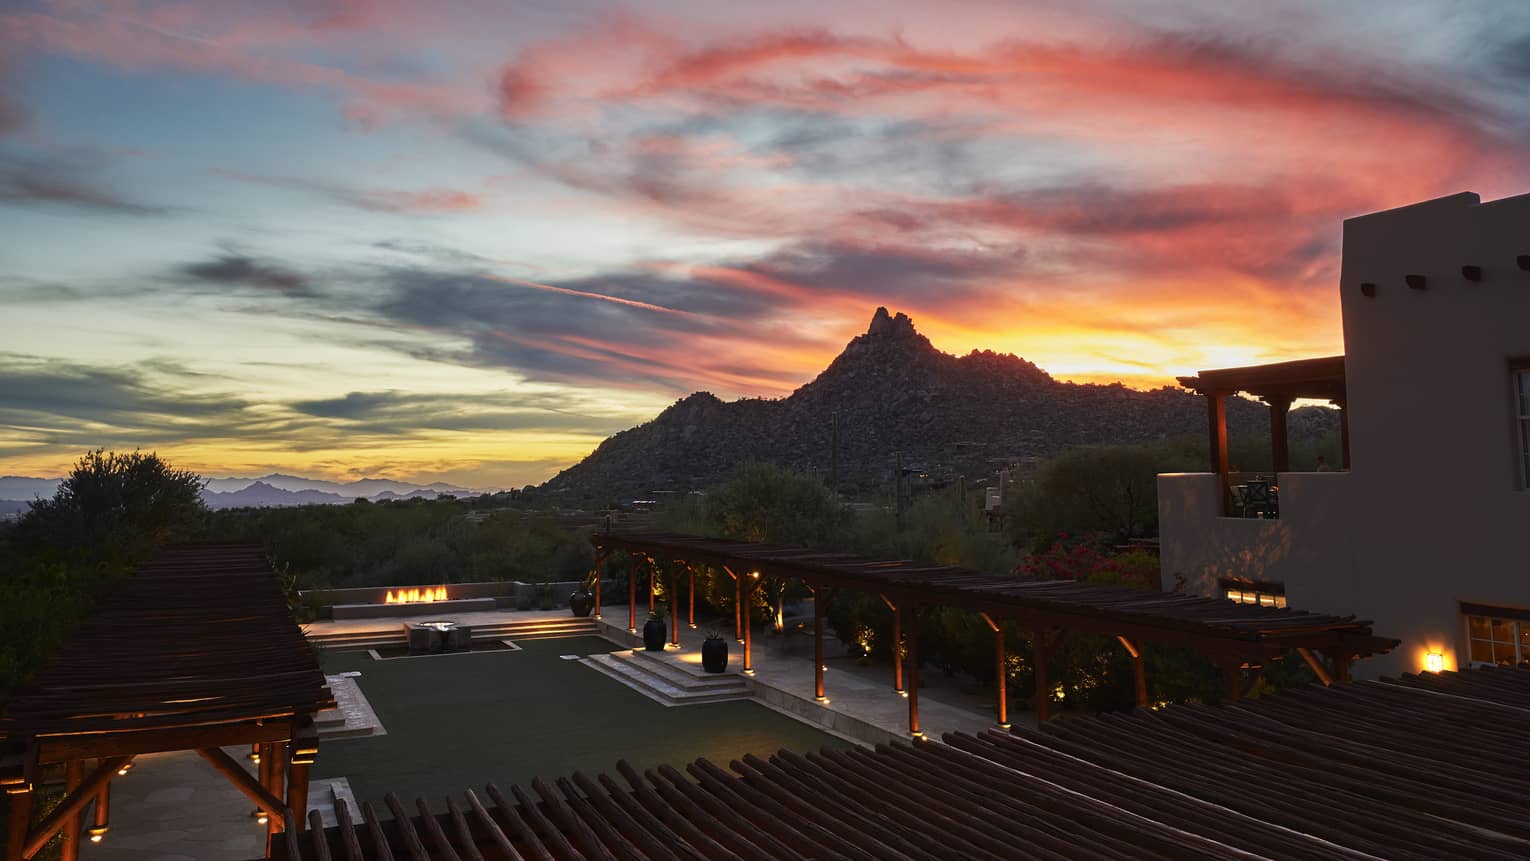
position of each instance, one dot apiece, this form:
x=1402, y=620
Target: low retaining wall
x=501, y=595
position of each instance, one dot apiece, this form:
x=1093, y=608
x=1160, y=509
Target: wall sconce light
x=1471, y=273
x=1368, y=290
x=1434, y=662
x=1417, y=282
x=1524, y=261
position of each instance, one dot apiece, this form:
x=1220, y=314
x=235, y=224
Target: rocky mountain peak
x=883, y=323
x=891, y=392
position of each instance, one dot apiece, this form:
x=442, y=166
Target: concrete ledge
x=428, y=608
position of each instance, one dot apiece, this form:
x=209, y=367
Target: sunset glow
x=467, y=241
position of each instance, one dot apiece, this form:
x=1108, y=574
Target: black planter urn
x=581, y=602
x=654, y=632
x=714, y=655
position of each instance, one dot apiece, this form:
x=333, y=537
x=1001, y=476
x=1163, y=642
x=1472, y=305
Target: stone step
x=659, y=689
x=537, y=630
x=679, y=676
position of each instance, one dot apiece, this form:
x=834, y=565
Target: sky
x=466, y=241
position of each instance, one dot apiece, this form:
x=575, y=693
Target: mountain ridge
x=892, y=391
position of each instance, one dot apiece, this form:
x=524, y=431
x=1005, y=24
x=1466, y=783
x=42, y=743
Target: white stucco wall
x=1432, y=511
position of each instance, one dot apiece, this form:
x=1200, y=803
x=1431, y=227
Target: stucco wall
x=1432, y=511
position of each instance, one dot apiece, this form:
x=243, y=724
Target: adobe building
x=1425, y=525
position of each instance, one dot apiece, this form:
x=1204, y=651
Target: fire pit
x=414, y=601
x=437, y=636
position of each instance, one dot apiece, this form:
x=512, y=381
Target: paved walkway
x=175, y=807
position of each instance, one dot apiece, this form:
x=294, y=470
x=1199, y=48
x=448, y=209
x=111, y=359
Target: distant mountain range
x=891, y=392
x=267, y=491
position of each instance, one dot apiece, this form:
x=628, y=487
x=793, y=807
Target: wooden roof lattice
x=1215, y=626
x=198, y=641
x=1320, y=379
x=1389, y=769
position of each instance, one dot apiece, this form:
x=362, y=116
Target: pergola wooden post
x=1216, y=415
x=820, y=594
x=1138, y=673
x=691, y=595
x=1341, y=664
x=897, y=645
x=1280, y=449
x=1000, y=660
x=74, y=773
x=102, y=822
x=277, y=785
x=738, y=605
x=304, y=750
x=674, y=605
x=748, y=593
x=600, y=564
x=913, y=673
x=631, y=592
x=21, y=817
x=1043, y=687
x=653, y=574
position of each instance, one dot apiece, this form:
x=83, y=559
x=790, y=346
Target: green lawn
x=460, y=721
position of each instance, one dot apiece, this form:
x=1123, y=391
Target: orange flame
x=416, y=595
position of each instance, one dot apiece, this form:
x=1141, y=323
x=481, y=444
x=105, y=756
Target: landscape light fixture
x=1434, y=662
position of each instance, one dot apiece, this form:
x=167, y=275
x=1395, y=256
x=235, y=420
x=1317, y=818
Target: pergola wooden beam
x=241, y=779
x=1212, y=626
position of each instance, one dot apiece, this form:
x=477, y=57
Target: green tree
x=766, y=503
x=1098, y=489
x=113, y=508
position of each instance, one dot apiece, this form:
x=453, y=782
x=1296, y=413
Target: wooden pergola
x=197, y=650
x=1357, y=771
x=1238, y=638
x=1278, y=385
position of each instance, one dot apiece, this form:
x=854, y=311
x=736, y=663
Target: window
x=1497, y=640
x=1522, y=422
x=1260, y=593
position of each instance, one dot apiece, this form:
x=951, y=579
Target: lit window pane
x=1503, y=631
x=1478, y=625
x=1482, y=650
x=1234, y=595
x=1524, y=637
x=1280, y=600
x=1266, y=600
x=1503, y=653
